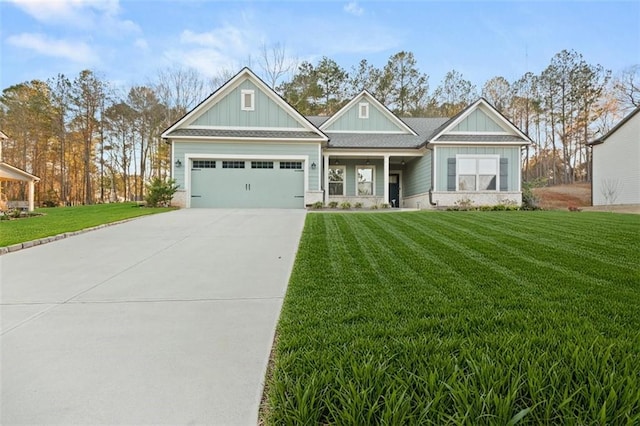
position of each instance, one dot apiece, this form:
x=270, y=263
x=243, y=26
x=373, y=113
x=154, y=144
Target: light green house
x=244, y=146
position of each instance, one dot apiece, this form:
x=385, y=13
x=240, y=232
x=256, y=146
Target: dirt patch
x=561, y=197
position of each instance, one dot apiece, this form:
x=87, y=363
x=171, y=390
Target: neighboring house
x=9, y=173
x=616, y=164
x=245, y=146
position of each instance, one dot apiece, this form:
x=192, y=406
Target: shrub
x=333, y=204
x=385, y=205
x=530, y=201
x=317, y=205
x=160, y=192
x=374, y=207
x=358, y=205
x=345, y=205
x=463, y=204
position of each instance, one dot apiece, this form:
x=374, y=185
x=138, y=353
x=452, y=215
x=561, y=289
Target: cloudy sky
x=128, y=41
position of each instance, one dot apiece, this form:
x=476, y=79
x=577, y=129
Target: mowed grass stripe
x=592, y=250
x=497, y=247
x=383, y=323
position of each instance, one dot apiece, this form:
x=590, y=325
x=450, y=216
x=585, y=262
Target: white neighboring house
x=8, y=173
x=616, y=164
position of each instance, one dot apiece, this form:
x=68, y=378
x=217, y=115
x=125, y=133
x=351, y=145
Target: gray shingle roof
x=267, y=134
x=480, y=138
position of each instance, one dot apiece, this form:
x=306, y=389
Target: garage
x=242, y=183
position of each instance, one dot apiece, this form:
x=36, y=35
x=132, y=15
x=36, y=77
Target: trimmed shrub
x=160, y=192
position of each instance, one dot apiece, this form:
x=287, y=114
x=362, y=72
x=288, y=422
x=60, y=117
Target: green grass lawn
x=460, y=318
x=59, y=220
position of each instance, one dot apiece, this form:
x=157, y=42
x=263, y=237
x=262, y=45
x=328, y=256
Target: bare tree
x=275, y=63
x=627, y=88
x=610, y=189
x=179, y=89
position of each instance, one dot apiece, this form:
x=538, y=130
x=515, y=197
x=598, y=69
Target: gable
x=478, y=121
x=365, y=114
x=228, y=111
x=250, y=109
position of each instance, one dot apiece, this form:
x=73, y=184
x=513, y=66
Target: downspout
x=431, y=189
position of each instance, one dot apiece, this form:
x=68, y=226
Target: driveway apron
x=166, y=319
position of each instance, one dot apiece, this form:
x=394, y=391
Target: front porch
x=366, y=178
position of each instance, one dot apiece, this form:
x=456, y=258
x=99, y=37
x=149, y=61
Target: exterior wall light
x=178, y=163
x=313, y=166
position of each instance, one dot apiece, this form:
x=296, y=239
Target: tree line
x=90, y=141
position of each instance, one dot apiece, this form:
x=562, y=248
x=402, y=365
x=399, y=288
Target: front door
x=394, y=190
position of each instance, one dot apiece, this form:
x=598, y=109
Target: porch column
x=386, y=179
x=325, y=171
x=31, y=194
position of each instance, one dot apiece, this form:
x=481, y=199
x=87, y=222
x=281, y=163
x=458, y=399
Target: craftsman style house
x=245, y=146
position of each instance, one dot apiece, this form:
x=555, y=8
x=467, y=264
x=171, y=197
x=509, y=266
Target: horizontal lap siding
x=511, y=153
x=260, y=148
x=417, y=176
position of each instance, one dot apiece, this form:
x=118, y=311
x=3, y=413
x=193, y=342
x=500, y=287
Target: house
x=616, y=164
x=9, y=173
x=245, y=146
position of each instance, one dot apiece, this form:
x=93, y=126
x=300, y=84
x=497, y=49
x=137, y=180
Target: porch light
x=402, y=163
x=368, y=162
x=178, y=163
x=313, y=166
x=337, y=162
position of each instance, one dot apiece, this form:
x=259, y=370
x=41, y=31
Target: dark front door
x=394, y=190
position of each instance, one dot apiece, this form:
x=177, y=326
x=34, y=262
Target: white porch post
x=325, y=171
x=31, y=194
x=386, y=179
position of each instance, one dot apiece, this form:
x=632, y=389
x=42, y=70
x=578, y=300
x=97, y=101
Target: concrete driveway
x=165, y=319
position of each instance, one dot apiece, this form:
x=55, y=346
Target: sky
x=127, y=42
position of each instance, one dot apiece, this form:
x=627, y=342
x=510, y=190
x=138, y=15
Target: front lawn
x=460, y=318
x=59, y=220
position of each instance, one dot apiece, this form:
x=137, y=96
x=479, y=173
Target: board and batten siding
x=245, y=149
x=417, y=176
x=228, y=112
x=511, y=153
x=478, y=121
x=377, y=121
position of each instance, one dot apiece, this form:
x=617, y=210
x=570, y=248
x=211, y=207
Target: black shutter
x=504, y=174
x=451, y=174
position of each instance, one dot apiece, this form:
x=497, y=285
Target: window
x=336, y=180
x=247, y=98
x=479, y=173
x=262, y=164
x=363, y=110
x=291, y=164
x=204, y=164
x=233, y=164
x=364, y=180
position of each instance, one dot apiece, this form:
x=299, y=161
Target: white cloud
x=75, y=51
x=224, y=48
x=353, y=8
x=55, y=11
x=85, y=14
x=141, y=43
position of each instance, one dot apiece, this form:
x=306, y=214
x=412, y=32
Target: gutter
x=431, y=189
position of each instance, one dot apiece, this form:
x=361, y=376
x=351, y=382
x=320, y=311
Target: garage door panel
x=247, y=187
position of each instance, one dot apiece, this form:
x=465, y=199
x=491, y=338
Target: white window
x=336, y=180
x=363, y=110
x=247, y=98
x=364, y=180
x=477, y=173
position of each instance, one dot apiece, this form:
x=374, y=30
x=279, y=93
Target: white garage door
x=247, y=183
